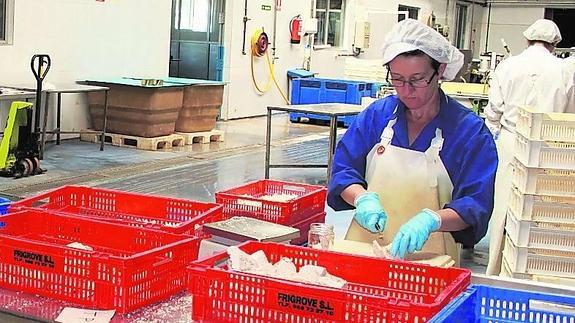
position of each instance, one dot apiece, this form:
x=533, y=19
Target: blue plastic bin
x=317, y=90
x=307, y=91
x=490, y=304
x=4, y=204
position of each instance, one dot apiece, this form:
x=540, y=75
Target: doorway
x=196, y=49
x=564, y=19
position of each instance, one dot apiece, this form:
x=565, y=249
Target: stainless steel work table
x=331, y=110
x=26, y=92
x=58, y=90
x=11, y=94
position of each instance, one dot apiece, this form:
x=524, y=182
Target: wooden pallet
x=153, y=143
x=204, y=137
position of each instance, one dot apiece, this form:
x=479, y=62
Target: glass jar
x=320, y=236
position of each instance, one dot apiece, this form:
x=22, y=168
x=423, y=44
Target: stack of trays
x=540, y=225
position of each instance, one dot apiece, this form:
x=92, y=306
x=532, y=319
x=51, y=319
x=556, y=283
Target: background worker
x=418, y=167
x=534, y=78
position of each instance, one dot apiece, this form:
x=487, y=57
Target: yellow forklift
x=20, y=146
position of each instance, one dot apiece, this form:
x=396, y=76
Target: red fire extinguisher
x=294, y=28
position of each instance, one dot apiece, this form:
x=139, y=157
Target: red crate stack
x=247, y=200
x=127, y=268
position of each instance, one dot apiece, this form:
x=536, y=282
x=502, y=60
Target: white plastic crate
x=507, y=272
x=543, y=181
x=539, y=261
x=543, y=208
x=545, y=125
x=365, y=69
x=532, y=234
x=539, y=153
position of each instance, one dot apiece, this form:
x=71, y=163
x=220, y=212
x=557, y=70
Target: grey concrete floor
x=77, y=162
x=194, y=172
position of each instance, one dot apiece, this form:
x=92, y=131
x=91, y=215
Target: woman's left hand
x=413, y=234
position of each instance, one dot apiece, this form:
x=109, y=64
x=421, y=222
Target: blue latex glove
x=413, y=234
x=369, y=213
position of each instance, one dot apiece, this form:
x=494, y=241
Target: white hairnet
x=544, y=30
x=410, y=34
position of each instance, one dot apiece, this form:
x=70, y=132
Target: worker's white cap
x=409, y=35
x=544, y=30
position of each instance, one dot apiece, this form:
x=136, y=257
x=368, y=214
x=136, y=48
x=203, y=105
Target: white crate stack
x=540, y=224
x=365, y=69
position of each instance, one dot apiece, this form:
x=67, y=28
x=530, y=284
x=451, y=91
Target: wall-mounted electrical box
x=310, y=26
x=362, y=34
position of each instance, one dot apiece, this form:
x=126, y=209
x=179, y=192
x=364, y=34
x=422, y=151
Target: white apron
x=505, y=148
x=407, y=181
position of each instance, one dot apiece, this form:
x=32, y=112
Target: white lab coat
x=534, y=78
x=570, y=61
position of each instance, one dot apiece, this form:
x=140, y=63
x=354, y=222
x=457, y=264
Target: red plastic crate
x=303, y=227
x=155, y=212
x=378, y=290
x=246, y=200
x=128, y=268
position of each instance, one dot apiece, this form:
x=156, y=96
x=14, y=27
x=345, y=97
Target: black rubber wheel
x=29, y=167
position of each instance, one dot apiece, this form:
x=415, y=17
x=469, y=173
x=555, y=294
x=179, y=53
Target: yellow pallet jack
x=20, y=146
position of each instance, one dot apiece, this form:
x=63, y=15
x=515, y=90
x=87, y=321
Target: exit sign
x=266, y=7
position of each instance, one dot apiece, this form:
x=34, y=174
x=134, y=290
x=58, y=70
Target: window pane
x=194, y=15
x=321, y=4
x=400, y=17
x=412, y=12
x=335, y=4
x=334, y=29
x=321, y=25
x=461, y=25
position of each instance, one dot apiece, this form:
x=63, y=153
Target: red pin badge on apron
x=380, y=150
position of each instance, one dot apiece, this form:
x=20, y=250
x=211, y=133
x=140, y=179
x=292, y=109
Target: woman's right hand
x=369, y=213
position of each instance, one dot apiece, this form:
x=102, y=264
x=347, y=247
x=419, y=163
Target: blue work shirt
x=468, y=153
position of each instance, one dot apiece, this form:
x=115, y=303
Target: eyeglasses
x=416, y=83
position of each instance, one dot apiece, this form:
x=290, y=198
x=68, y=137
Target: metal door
x=196, y=38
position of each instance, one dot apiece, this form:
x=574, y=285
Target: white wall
x=87, y=39
x=508, y=22
x=241, y=98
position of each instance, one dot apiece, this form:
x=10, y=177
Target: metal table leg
x=58, y=119
x=332, y=141
x=268, y=142
x=104, y=121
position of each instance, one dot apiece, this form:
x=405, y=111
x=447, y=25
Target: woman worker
x=418, y=166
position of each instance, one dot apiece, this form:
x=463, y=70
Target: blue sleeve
x=473, y=191
x=349, y=161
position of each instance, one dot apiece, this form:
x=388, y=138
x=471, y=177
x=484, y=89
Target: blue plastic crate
x=490, y=304
x=307, y=91
x=317, y=90
x=342, y=91
x=4, y=204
